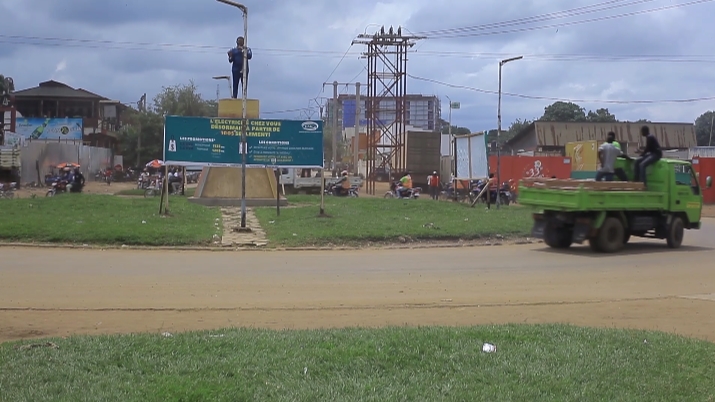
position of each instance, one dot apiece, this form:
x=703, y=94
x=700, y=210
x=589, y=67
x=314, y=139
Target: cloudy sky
x=627, y=52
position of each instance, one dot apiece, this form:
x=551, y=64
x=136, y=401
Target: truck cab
x=608, y=214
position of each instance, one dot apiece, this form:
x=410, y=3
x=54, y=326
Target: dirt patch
x=64, y=292
x=91, y=187
x=708, y=211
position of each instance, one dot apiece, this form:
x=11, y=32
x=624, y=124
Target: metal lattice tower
x=385, y=105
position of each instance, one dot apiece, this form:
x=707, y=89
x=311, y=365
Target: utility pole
x=335, y=123
x=501, y=64
x=142, y=109
x=712, y=122
x=356, y=150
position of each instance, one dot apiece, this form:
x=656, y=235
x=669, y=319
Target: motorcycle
x=332, y=190
x=8, y=190
x=413, y=193
x=60, y=186
x=504, y=193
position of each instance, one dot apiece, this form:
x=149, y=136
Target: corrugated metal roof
x=54, y=89
x=701, y=152
x=670, y=135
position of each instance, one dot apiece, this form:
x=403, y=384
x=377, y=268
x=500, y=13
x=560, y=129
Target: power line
x=594, y=8
x=67, y=42
x=336, y=67
x=564, y=24
x=548, y=98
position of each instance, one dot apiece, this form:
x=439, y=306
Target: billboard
x=215, y=141
x=39, y=128
x=472, y=162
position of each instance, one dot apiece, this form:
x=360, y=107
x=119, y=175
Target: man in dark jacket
x=651, y=154
x=235, y=56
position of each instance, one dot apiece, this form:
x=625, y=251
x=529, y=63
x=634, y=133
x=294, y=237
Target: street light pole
x=452, y=148
x=244, y=126
x=501, y=63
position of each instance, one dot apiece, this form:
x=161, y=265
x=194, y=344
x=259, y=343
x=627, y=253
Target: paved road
x=49, y=292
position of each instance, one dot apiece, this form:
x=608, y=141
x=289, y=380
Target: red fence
x=519, y=167
x=706, y=167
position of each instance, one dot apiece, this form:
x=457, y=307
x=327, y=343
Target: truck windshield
x=685, y=176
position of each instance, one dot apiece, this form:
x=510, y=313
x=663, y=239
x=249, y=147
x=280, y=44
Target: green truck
x=607, y=214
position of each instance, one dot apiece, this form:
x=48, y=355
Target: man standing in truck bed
x=607, y=154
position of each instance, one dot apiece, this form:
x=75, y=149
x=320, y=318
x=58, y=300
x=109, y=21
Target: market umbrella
x=68, y=165
x=156, y=163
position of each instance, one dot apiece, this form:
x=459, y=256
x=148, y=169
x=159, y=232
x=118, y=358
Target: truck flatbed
x=579, y=184
x=589, y=195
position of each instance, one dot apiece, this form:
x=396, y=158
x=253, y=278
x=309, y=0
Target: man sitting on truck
x=607, y=154
x=651, y=154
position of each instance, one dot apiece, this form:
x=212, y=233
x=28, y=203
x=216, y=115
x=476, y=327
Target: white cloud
x=297, y=44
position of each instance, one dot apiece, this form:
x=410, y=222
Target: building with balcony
x=54, y=111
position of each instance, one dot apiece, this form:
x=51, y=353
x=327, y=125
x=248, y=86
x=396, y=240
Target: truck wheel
x=556, y=237
x=675, y=233
x=626, y=237
x=611, y=235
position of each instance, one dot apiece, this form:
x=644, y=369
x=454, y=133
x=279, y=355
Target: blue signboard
x=215, y=141
x=49, y=129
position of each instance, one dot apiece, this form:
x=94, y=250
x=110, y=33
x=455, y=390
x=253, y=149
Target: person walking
x=434, y=185
x=235, y=56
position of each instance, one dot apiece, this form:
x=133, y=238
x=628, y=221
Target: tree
x=177, y=100
x=569, y=111
x=183, y=100
x=704, y=126
x=601, y=115
x=444, y=128
x=516, y=126
x=564, y=111
x=151, y=127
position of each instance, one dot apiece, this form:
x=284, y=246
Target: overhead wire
x=593, y=8
x=435, y=34
x=471, y=34
x=89, y=43
x=556, y=99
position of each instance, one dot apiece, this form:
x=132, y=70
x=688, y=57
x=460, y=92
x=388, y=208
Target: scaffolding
x=385, y=107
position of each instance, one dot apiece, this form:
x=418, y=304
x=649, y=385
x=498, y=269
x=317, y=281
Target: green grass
x=532, y=363
x=364, y=220
x=102, y=219
x=137, y=192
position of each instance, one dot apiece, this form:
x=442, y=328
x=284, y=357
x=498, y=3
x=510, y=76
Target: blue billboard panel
x=39, y=128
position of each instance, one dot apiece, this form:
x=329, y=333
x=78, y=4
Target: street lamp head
x=234, y=4
x=511, y=59
x=222, y=77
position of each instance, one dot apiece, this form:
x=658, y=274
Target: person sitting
x=651, y=154
x=607, y=155
x=175, y=181
x=77, y=182
x=343, y=185
x=404, y=186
